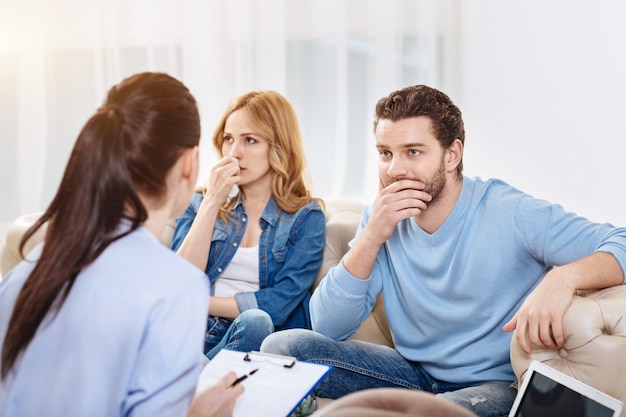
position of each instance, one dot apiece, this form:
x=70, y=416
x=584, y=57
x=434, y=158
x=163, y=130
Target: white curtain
x=332, y=59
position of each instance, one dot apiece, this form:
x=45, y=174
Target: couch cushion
x=11, y=250
x=342, y=220
x=595, y=343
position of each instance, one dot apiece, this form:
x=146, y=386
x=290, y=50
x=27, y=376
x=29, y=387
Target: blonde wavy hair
x=275, y=120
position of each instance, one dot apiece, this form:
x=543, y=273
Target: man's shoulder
x=488, y=183
x=493, y=189
x=498, y=199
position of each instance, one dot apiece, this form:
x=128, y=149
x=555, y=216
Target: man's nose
x=397, y=168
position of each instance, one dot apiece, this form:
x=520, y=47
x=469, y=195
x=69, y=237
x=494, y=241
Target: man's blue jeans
x=243, y=334
x=358, y=365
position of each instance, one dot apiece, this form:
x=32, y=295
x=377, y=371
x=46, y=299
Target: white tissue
x=235, y=190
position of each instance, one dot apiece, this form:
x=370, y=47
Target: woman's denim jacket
x=290, y=253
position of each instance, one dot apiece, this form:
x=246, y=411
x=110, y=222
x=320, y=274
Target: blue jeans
x=359, y=365
x=243, y=334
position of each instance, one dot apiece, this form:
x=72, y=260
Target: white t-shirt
x=240, y=275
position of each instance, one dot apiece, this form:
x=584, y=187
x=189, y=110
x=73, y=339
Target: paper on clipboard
x=275, y=390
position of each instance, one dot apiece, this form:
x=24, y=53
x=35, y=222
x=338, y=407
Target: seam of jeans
x=365, y=372
x=236, y=337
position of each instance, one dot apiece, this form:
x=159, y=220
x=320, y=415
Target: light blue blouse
x=125, y=343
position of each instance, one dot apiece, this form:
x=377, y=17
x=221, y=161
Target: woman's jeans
x=243, y=334
x=359, y=365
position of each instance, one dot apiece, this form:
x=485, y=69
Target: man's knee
x=288, y=342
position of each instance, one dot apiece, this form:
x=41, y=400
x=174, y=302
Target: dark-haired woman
x=102, y=319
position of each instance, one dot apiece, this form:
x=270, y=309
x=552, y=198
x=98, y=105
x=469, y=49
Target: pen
x=241, y=378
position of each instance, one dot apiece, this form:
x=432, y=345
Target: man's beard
x=436, y=184
x=433, y=185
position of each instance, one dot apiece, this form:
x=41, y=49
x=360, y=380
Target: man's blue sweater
x=448, y=294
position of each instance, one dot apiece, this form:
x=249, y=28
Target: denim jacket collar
x=270, y=212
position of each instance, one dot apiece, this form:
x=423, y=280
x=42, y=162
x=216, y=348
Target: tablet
x=546, y=392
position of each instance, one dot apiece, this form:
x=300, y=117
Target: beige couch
x=595, y=325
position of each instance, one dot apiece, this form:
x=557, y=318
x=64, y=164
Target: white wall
x=543, y=100
x=541, y=88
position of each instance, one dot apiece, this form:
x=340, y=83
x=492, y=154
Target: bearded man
x=461, y=263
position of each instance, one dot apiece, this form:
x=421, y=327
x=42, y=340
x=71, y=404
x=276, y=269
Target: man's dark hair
x=421, y=100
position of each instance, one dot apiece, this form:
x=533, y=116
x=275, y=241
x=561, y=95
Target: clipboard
x=276, y=389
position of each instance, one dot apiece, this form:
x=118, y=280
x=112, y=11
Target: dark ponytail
x=125, y=149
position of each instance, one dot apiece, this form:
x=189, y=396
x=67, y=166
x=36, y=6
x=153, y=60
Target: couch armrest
x=393, y=402
x=342, y=219
x=595, y=343
x=11, y=249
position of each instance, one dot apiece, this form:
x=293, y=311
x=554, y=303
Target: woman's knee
x=256, y=319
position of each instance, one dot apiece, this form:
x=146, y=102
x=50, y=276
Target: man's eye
x=414, y=152
x=385, y=154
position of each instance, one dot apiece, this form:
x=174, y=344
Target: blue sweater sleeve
x=557, y=237
x=342, y=301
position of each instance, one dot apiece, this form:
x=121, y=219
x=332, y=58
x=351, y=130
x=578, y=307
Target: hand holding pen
x=217, y=400
x=243, y=377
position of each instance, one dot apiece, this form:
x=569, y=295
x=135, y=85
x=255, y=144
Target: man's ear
x=454, y=155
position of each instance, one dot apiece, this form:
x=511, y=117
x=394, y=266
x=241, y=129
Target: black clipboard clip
x=279, y=360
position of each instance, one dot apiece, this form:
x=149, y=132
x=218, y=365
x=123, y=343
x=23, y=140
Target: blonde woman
x=261, y=246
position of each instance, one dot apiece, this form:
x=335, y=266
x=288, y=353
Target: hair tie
x=114, y=111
